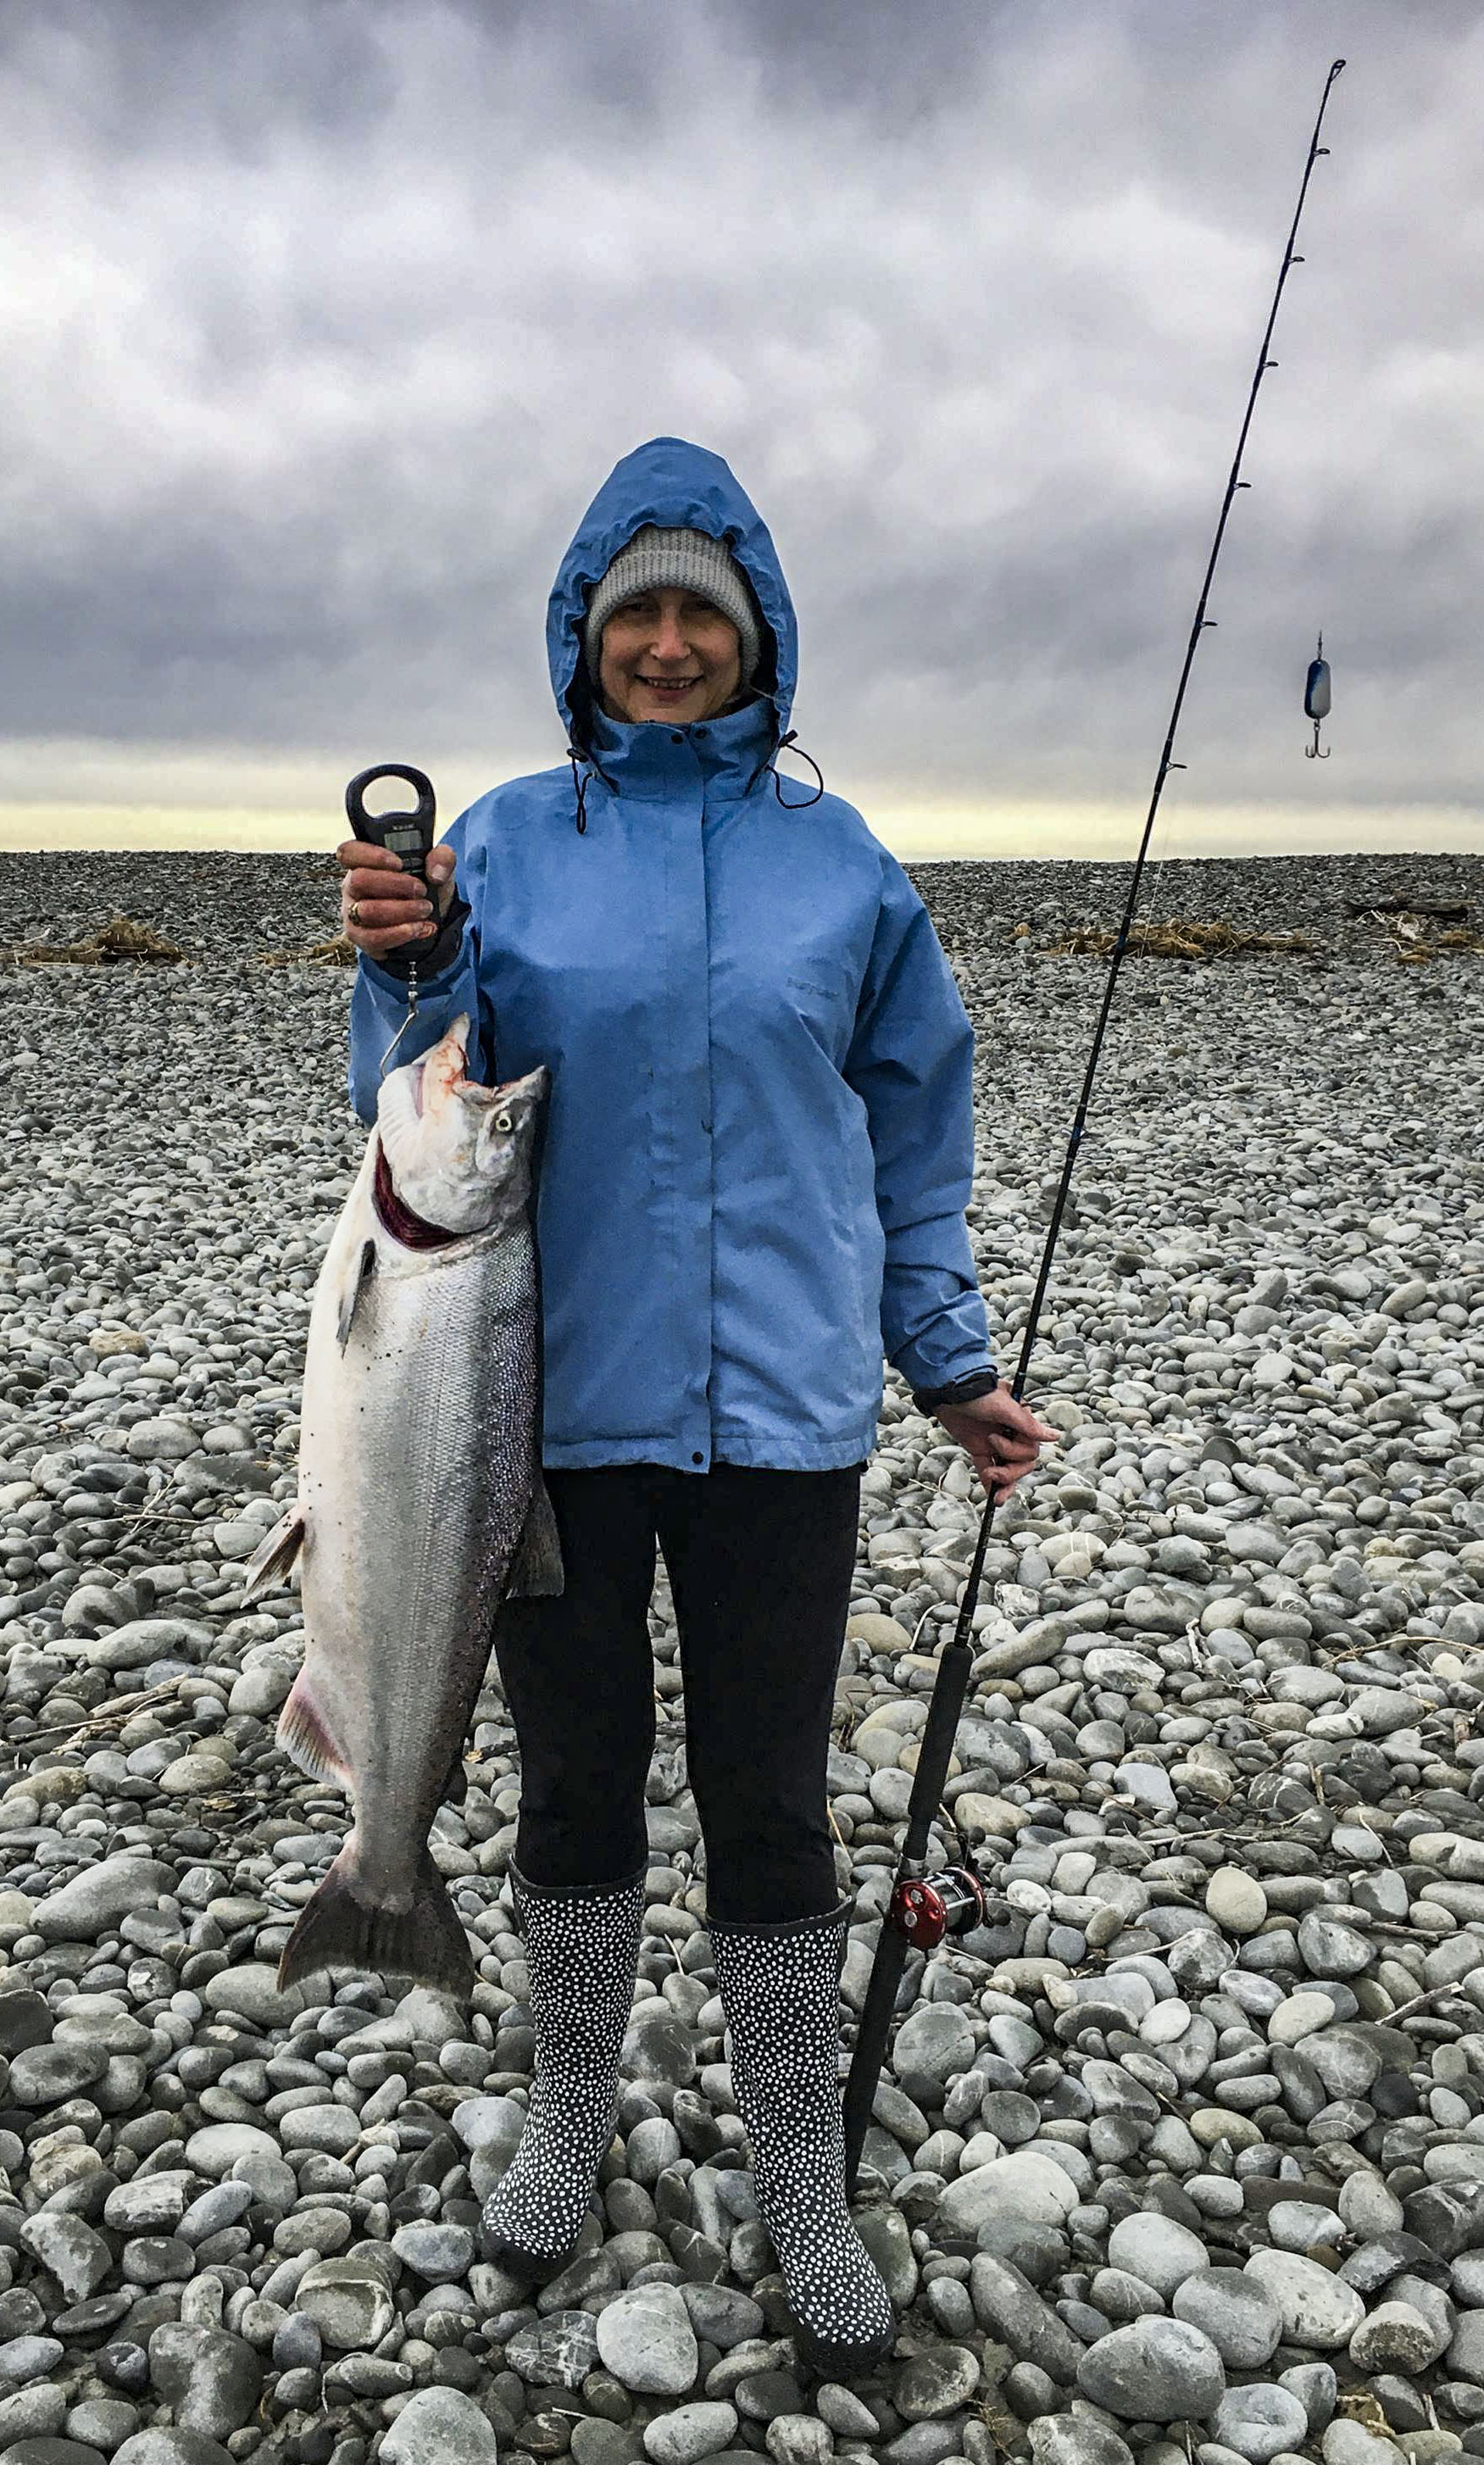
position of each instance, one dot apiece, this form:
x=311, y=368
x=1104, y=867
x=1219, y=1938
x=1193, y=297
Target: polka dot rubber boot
x=780, y=1989
x=582, y=1948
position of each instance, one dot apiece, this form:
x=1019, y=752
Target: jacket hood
x=677, y=486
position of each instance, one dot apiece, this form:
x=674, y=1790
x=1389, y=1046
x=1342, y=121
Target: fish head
x=458, y=1152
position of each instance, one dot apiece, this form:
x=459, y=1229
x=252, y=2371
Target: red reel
x=952, y=1902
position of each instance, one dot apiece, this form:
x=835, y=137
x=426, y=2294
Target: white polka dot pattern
x=582, y=1949
x=779, y=1990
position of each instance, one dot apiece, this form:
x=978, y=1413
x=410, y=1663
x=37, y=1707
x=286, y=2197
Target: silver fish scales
x=421, y=1505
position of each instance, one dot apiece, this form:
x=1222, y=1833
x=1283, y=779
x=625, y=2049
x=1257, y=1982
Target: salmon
x=421, y=1505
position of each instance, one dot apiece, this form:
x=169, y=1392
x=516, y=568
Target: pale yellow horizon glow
x=920, y=831
x=94, y=794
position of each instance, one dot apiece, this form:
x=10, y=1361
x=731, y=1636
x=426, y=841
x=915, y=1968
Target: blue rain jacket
x=760, y=1139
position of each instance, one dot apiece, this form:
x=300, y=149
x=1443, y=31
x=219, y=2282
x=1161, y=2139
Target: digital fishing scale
x=409, y=838
x=408, y=835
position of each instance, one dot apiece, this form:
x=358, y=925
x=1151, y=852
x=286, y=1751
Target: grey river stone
x=1154, y=2370
x=1220, y=1757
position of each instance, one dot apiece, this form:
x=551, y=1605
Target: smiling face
x=669, y=655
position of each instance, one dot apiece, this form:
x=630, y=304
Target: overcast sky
x=325, y=320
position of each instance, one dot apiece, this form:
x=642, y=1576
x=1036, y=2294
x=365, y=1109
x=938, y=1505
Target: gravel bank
x=1183, y=2152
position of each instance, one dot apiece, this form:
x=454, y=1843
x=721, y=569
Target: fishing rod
x=923, y=1908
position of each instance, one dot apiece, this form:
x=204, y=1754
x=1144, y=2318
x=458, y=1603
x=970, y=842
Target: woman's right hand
x=381, y=907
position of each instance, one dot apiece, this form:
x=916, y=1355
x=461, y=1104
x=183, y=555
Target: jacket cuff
x=962, y=1391
x=438, y=955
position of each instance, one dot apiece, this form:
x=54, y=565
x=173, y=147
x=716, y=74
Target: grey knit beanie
x=656, y=560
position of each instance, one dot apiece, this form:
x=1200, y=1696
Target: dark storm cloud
x=326, y=321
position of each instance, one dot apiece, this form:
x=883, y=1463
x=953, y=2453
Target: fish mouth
x=448, y=1080
x=535, y=1082
x=437, y=1057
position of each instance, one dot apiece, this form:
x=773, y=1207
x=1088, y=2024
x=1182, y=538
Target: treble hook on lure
x=1316, y=702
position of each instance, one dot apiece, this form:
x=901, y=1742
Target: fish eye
x=503, y=1121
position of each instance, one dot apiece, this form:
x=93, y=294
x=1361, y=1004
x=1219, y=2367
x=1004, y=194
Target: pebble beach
x=1180, y=2154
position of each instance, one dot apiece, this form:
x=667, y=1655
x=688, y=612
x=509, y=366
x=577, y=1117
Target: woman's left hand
x=1003, y=1438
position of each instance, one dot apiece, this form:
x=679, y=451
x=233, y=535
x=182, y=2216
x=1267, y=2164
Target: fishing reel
x=923, y=1908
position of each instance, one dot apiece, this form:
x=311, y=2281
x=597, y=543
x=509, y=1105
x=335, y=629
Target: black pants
x=760, y=1565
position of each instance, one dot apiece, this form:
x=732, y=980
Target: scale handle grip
x=408, y=836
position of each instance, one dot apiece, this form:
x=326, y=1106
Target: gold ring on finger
x=355, y=911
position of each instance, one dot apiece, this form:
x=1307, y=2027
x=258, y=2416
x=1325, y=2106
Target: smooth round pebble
x=1241, y=2318
x=1259, y=2422
x=441, y=2425
x=1154, y=2370
x=1236, y=1901
x=1316, y=2308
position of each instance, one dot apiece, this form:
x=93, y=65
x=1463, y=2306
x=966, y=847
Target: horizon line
x=924, y=830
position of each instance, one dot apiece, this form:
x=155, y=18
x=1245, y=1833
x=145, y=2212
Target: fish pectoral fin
x=276, y=1553
x=306, y=1737
x=536, y=1568
x=355, y=1285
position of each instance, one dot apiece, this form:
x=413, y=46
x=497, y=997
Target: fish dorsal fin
x=355, y=1284
x=276, y=1553
x=536, y=1571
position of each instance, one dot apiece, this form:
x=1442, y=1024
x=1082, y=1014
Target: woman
x=757, y=1158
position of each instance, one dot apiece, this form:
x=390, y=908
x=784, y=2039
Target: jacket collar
x=729, y=754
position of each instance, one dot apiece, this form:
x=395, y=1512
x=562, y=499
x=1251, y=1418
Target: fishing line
x=920, y=1912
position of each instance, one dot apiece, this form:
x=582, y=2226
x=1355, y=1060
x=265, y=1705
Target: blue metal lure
x=1316, y=700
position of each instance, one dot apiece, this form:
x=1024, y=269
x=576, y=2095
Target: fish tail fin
x=337, y=1929
x=306, y=1737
